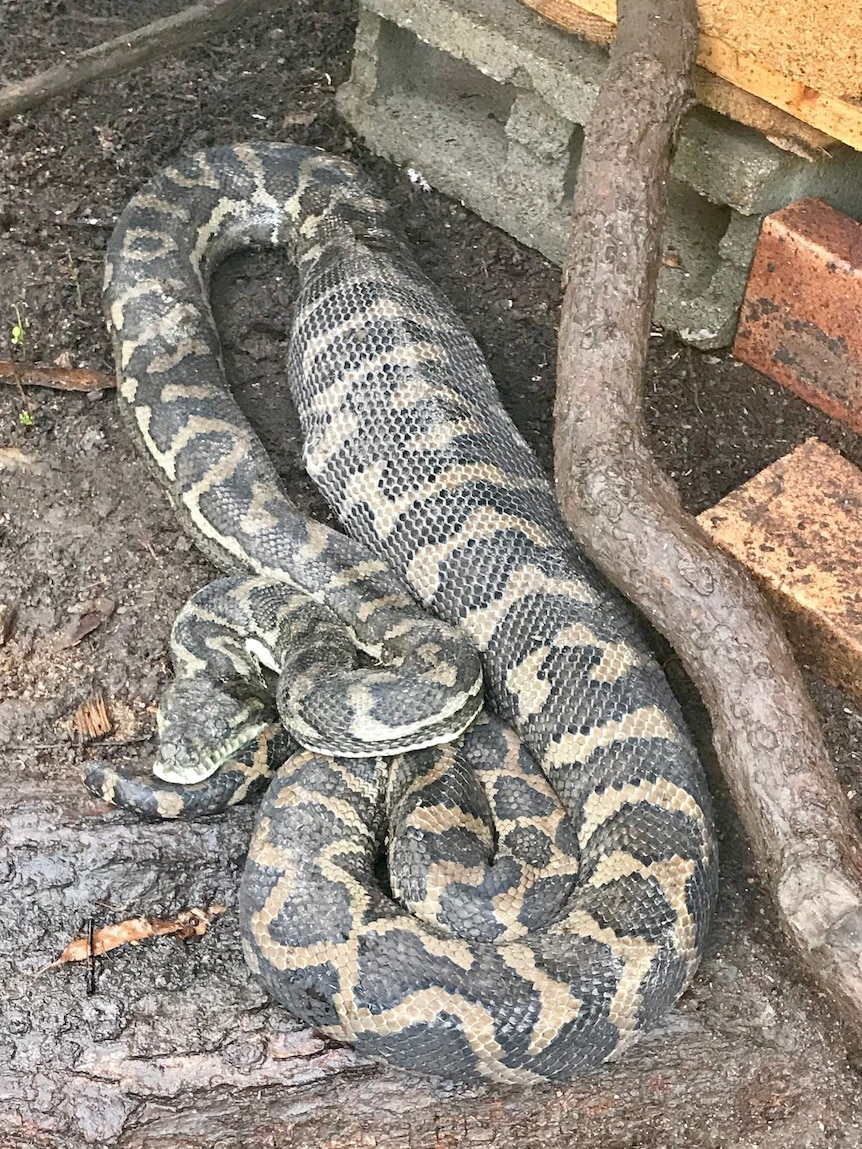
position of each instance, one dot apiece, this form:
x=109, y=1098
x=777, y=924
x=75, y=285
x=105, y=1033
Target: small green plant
x=19, y=337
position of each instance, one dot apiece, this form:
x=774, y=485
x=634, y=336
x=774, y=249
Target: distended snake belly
x=588, y=920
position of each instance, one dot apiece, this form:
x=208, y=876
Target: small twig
x=142, y=535
x=120, y=55
x=39, y=746
x=76, y=279
x=51, y=375
x=91, y=957
x=60, y=745
x=136, y=741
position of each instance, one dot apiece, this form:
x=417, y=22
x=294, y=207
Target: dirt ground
x=178, y=1047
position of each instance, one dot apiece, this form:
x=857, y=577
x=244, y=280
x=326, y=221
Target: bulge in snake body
x=406, y=437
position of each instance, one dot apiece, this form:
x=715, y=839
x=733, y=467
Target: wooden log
x=179, y=1049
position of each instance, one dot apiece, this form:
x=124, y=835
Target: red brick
x=797, y=527
x=801, y=318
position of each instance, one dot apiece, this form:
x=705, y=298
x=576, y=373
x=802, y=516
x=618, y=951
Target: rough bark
x=628, y=517
x=116, y=57
x=179, y=1048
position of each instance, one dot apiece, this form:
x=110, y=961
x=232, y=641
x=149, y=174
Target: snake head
x=202, y=723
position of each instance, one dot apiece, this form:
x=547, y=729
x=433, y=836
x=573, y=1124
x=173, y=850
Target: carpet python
x=551, y=859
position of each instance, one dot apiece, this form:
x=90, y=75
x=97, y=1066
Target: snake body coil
x=512, y=970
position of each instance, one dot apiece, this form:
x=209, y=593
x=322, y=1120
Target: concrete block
x=801, y=319
x=487, y=100
x=797, y=527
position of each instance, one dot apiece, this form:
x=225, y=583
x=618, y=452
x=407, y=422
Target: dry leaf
x=84, y=621
x=187, y=923
x=91, y=719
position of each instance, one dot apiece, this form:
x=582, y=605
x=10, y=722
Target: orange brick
x=797, y=527
x=801, y=317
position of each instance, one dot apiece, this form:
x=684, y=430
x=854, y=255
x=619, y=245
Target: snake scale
x=552, y=866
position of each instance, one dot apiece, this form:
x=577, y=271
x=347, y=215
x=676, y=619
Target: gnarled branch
x=628, y=516
x=116, y=57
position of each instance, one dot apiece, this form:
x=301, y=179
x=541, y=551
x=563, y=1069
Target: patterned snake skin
x=548, y=894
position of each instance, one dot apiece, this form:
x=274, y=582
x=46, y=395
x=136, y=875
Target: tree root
x=628, y=517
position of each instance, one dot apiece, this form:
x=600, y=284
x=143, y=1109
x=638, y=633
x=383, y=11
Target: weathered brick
x=797, y=527
x=801, y=317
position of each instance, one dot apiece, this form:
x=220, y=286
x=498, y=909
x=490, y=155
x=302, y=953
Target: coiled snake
x=550, y=897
